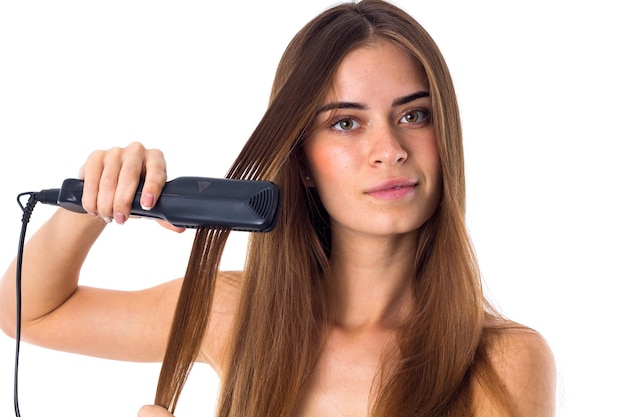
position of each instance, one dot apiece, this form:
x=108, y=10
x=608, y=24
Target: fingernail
x=107, y=219
x=147, y=201
x=120, y=218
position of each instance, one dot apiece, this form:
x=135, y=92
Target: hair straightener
x=193, y=202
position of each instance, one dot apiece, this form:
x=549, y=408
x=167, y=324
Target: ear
x=304, y=171
x=308, y=181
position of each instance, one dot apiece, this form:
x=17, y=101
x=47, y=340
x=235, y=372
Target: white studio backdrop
x=541, y=88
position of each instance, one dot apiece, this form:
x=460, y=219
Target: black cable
x=27, y=211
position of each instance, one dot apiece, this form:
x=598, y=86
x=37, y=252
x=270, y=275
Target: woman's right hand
x=111, y=178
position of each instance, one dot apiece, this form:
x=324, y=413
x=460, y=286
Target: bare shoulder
x=225, y=304
x=525, y=368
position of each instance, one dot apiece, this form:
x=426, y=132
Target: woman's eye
x=346, y=124
x=416, y=116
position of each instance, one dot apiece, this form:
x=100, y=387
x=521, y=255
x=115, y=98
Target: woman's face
x=372, y=154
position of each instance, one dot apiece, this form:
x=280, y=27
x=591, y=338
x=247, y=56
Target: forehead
x=378, y=67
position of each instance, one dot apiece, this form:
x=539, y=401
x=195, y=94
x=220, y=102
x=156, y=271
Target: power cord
x=27, y=212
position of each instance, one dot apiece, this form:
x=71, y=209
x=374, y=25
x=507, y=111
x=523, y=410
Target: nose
x=386, y=148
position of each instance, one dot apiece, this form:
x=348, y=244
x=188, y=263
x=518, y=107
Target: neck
x=372, y=282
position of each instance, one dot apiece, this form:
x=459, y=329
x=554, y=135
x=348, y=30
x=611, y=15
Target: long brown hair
x=286, y=304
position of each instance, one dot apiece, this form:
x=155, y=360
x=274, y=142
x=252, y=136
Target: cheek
x=428, y=153
x=432, y=159
x=326, y=164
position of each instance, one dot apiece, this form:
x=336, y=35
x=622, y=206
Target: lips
x=391, y=184
x=392, y=189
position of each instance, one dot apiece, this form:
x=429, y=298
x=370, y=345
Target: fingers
x=155, y=175
x=170, y=226
x=111, y=179
x=153, y=411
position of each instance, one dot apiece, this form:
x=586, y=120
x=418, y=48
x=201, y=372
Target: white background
x=541, y=87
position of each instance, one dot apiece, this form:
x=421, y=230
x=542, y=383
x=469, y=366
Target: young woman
x=365, y=300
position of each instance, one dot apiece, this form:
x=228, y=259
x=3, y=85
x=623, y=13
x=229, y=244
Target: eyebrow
x=360, y=106
x=407, y=99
